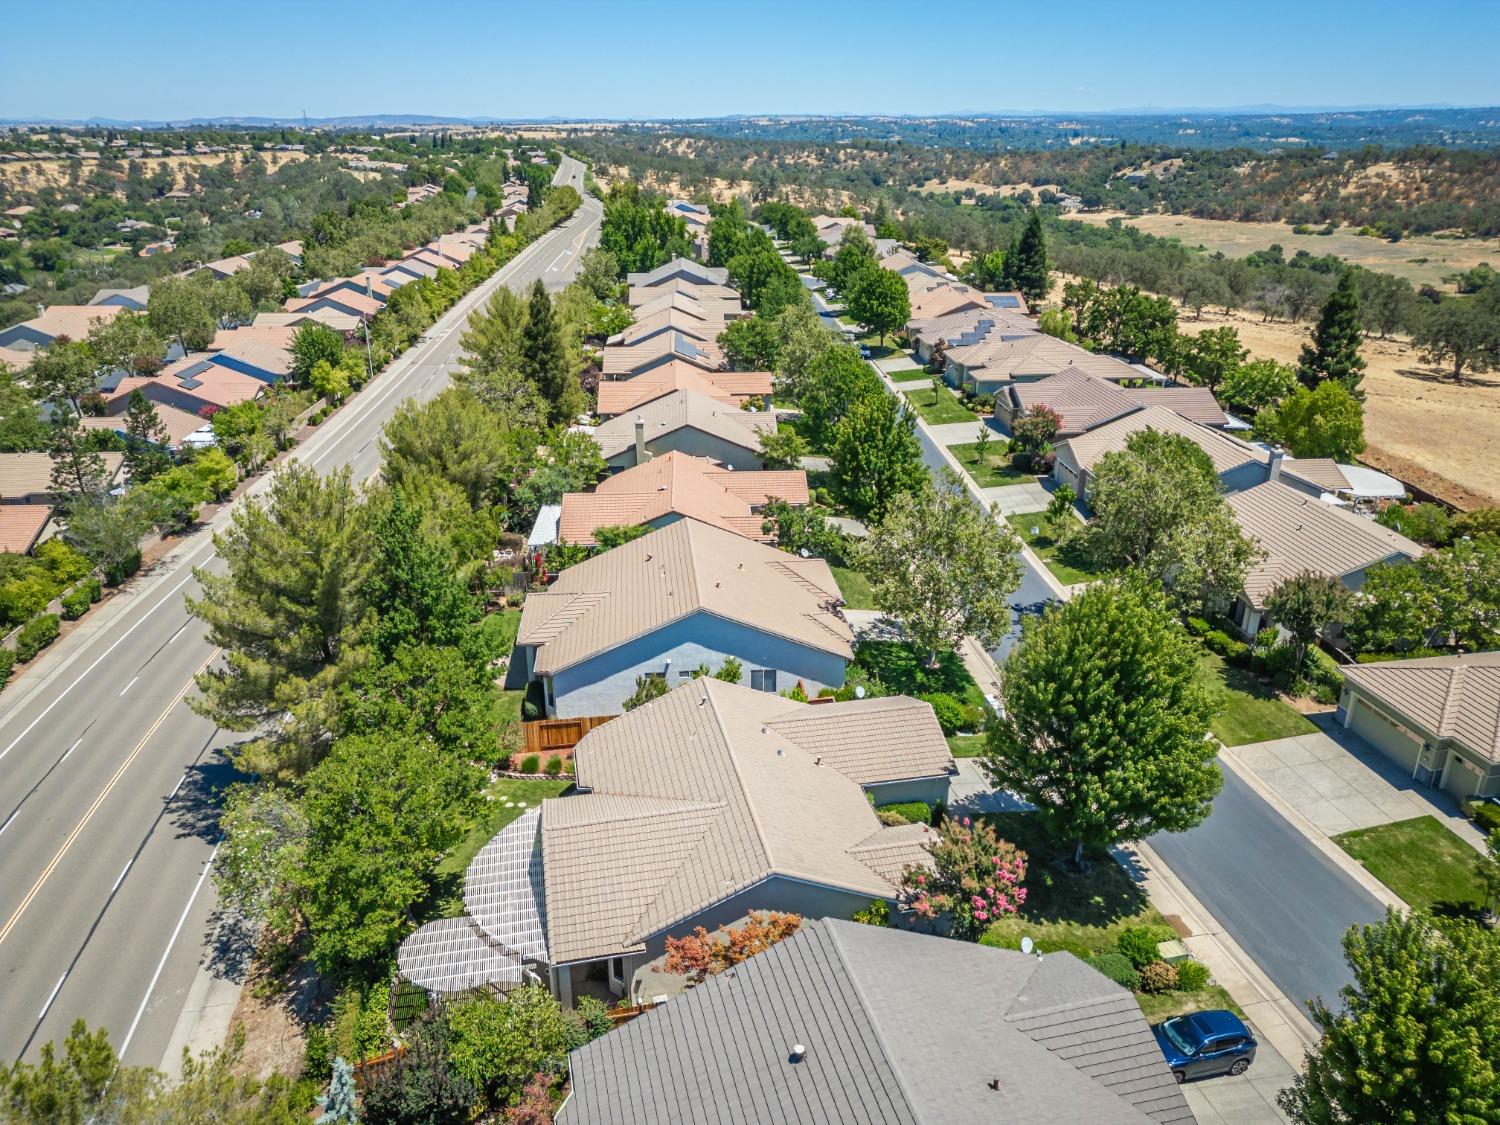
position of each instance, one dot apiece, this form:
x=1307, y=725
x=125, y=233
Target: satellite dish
x=1027, y=945
x=859, y=691
x=804, y=553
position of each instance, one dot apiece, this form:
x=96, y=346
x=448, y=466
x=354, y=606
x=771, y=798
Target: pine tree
x=544, y=359
x=339, y=1106
x=146, y=440
x=1334, y=350
x=1026, y=264
x=77, y=469
x=415, y=591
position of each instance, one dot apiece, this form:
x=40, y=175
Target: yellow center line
x=99, y=800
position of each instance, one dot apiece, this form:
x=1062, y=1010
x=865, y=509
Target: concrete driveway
x=1249, y=1099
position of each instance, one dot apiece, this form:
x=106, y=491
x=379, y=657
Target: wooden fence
x=546, y=737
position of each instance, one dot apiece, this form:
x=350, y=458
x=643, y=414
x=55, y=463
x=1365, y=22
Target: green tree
x=146, y=440
x=599, y=273
x=1466, y=579
x=63, y=373
x=802, y=338
x=414, y=588
x=419, y=1087
x=497, y=1046
x=1026, y=266
x=1105, y=726
x=1035, y=429
x=1393, y=611
x=1262, y=384
x=178, y=309
x=875, y=455
x=21, y=424
x=834, y=381
x=78, y=473
x=109, y=532
x=1325, y=422
x=879, y=300
x=783, y=448
x=854, y=256
x=380, y=813
x=1461, y=334
x=647, y=688
x=313, y=344
x=1060, y=510
x=750, y=343
x=442, y=695
x=288, y=612
x=329, y=382
x=1057, y=322
x=452, y=437
x=1333, y=353
x=1213, y=356
x=126, y=343
x=1305, y=605
x=943, y=567
x=1412, y=1039
x=544, y=359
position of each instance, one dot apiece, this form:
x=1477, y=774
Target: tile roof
x=684, y=410
x=616, y=396
x=1320, y=472
x=1453, y=697
x=21, y=524
x=1196, y=404
x=137, y=296
x=684, y=268
x=641, y=295
x=971, y=325
x=688, y=301
x=1040, y=354
x=1300, y=533
x=1081, y=400
x=898, y=1028
x=278, y=334
x=670, y=574
x=686, y=801
x=691, y=323
x=1227, y=453
x=224, y=267
x=262, y=353
x=30, y=474
x=627, y=359
x=176, y=422
x=940, y=300
x=333, y=318
x=72, y=321
x=687, y=486
x=195, y=375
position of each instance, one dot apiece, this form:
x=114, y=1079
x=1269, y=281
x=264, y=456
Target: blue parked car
x=1205, y=1043
x=864, y=351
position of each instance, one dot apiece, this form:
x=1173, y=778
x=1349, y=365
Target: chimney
x=641, y=456
x=1273, y=470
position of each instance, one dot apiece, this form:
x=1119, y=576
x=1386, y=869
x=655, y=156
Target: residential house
x=1438, y=717
x=622, y=361
x=72, y=321
x=703, y=302
x=26, y=478
x=178, y=424
x=689, y=423
x=1239, y=465
x=333, y=318
x=1300, y=534
x=676, y=598
x=133, y=299
x=194, y=384
x=832, y=230
x=723, y=296
x=930, y=338
x=989, y=364
x=22, y=526
x=1084, y=401
x=679, y=269
x=844, y=1024
x=676, y=486
x=349, y=300
x=261, y=356
x=695, y=324
x=227, y=267
x=931, y=301
x=691, y=810
x=733, y=388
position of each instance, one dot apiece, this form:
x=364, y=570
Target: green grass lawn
x=1250, y=710
x=908, y=374
x=965, y=745
x=855, y=587
x=1421, y=861
x=901, y=670
x=938, y=408
x=996, y=468
x=1065, y=562
x=1082, y=911
x=1164, y=1005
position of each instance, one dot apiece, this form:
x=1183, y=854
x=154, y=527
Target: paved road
x=1285, y=902
x=109, y=784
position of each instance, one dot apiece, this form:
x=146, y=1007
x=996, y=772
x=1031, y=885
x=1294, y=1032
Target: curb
x=1320, y=839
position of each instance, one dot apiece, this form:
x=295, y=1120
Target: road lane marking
x=51, y=996
x=178, y=786
x=124, y=871
x=171, y=941
x=99, y=800
x=128, y=686
x=69, y=753
x=95, y=664
x=180, y=630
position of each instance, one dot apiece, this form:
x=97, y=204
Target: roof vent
x=993, y=1084
x=702, y=701
x=765, y=730
x=818, y=761
x=781, y=751
x=648, y=556
x=799, y=1052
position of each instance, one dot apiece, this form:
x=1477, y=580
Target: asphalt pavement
x=109, y=784
x=1280, y=898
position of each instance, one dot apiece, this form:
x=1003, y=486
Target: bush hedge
x=36, y=635
x=1139, y=943
x=118, y=572
x=75, y=603
x=7, y=664
x=909, y=812
x=531, y=763
x=1158, y=976
x=554, y=764
x=1117, y=967
x=1232, y=650
x=1191, y=976
x=1484, y=814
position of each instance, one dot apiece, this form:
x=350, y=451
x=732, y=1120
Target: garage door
x=1380, y=732
x=1462, y=778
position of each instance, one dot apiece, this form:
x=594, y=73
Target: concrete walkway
x=1339, y=782
x=1014, y=499
x=962, y=433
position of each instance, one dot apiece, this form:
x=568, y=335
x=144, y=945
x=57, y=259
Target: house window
x=684, y=676
x=763, y=679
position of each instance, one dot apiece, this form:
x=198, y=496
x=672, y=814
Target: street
x=109, y=783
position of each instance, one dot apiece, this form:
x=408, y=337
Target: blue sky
x=642, y=58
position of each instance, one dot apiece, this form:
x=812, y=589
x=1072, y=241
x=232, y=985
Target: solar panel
x=1004, y=300
x=190, y=384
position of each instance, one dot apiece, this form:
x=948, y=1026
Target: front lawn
x=966, y=745
x=1066, y=562
x=995, y=469
x=1423, y=862
x=1164, y=1005
x=939, y=407
x=1082, y=912
x=908, y=375
x=855, y=587
x=901, y=670
x=1250, y=710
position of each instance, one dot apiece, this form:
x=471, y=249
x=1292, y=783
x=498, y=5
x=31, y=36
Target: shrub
x=554, y=764
x=878, y=913
x=1139, y=943
x=1324, y=674
x=953, y=715
x=1232, y=650
x=908, y=812
x=1192, y=976
x=531, y=763
x=1117, y=967
x=1158, y=976
x=94, y=587
x=1198, y=627
x=1279, y=661
x=116, y=573
x=36, y=635
x=75, y=603
x=7, y=664
x=1484, y=814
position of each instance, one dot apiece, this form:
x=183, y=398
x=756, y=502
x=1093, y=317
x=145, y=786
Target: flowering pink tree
x=975, y=878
